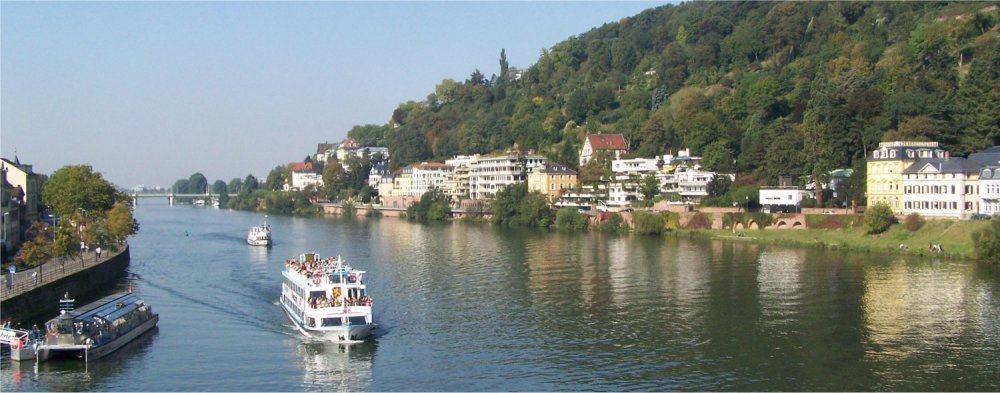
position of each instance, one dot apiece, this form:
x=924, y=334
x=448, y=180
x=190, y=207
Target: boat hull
x=45, y=352
x=350, y=334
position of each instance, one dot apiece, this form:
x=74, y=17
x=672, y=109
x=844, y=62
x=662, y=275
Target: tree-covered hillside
x=765, y=89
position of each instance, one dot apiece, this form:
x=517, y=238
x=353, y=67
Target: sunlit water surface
x=475, y=307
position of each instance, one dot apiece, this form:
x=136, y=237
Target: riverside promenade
x=21, y=291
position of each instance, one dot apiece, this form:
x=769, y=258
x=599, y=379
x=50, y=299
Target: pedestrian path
x=12, y=285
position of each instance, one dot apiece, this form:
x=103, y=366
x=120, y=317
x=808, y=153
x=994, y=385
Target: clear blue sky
x=151, y=92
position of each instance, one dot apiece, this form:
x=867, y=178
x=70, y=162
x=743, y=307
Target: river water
x=475, y=307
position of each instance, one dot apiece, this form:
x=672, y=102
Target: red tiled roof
x=607, y=141
x=302, y=167
x=349, y=143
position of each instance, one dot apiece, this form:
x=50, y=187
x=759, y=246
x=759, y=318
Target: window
x=358, y=320
x=333, y=321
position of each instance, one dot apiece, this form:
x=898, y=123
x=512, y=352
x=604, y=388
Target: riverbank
x=955, y=238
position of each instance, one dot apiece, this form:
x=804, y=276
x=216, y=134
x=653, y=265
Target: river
x=475, y=307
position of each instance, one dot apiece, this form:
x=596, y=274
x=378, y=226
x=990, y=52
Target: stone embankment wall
x=42, y=302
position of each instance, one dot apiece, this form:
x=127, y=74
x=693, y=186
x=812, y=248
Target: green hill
x=765, y=89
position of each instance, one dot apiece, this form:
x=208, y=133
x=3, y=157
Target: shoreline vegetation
x=915, y=236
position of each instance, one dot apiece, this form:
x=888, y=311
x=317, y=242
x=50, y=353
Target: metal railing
x=12, y=285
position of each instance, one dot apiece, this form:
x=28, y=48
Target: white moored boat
x=259, y=235
x=326, y=298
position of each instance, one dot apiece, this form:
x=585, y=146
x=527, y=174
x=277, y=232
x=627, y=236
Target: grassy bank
x=954, y=236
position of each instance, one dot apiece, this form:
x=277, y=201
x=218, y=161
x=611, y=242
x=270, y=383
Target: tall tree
x=76, y=187
x=502, y=78
x=197, y=183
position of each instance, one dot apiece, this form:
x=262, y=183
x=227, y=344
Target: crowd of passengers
x=323, y=301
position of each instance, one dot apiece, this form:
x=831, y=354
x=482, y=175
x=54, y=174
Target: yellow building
x=885, y=170
x=551, y=180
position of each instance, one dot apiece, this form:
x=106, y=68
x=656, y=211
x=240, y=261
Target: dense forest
x=761, y=88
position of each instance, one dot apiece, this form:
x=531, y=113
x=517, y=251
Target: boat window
x=359, y=320
x=332, y=321
x=335, y=278
x=313, y=294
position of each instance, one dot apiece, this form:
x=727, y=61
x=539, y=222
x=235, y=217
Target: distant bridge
x=171, y=196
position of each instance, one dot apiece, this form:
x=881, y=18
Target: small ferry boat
x=199, y=203
x=90, y=332
x=326, y=298
x=259, y=235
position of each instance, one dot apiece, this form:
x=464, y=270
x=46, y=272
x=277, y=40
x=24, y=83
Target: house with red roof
x=303, y=176
x=613, y=143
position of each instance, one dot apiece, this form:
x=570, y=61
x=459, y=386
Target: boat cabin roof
x=107, y=308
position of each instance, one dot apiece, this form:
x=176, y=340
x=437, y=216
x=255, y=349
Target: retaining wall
x=43, y=302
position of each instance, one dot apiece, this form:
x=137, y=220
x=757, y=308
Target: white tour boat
x=259, y=235
x=326, y=298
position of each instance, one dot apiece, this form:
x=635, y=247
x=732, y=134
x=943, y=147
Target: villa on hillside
x=303, y=176
x=594, y=143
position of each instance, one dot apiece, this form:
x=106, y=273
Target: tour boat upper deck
x=327, y=297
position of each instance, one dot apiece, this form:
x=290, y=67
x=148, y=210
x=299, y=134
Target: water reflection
x=467, y=306
x=330, y=366
x=70, y=375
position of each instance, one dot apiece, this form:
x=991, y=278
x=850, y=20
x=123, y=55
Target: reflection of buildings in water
x=330, y=366
x=780, y=281
x=76, y=375
x=926, y=304
x=685, y=275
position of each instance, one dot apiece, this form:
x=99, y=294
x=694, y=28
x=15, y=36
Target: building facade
x=489, y=174
x=781, y=199
x=989, y=190
x=942, y=187
x=594, y=143
x=21, y=176
x=552, y=180
x=885, y=167
x=303, y=177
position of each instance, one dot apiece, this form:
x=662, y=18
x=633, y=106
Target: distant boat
x=259, y=235
x=199, y=202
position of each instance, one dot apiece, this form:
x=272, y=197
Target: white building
x=303, y=177
x=989, y=190
x=456, y=184
x=615, y=144
x=415, y=180
x=692, y=183
x=781, y=199
x=380, y=169
x=489, y=174
x=942, y=187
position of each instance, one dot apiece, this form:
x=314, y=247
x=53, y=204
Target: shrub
x=433, y=206
x=913, y=222
x=515, y=206
x=649, y=223
x=879, y=218
x=762, y=219
x=570, y=218
x=986, y=242
x=347, y=208
x=613, y=224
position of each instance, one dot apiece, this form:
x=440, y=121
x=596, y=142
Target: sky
x=148, y=93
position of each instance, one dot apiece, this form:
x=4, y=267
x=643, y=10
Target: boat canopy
x=107, y=308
